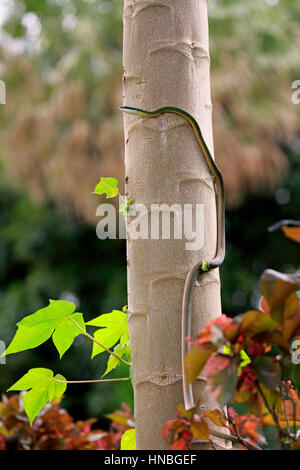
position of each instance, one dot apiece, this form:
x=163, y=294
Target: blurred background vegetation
x=61, y=130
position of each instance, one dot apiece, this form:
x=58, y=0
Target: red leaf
x=2, y=442
x=173, y=429
x=247, y=426
x=180, y=444
x=255, y=348
x=214, y=330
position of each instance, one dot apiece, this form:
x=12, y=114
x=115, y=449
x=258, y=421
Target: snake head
x=205, y=266
x=130, y=110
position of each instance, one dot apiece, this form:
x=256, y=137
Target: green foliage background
x=48, y=246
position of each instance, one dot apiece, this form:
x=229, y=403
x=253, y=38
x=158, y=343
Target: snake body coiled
x=202, y=266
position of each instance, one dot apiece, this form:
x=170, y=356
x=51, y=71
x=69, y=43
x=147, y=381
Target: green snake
x=220, y=251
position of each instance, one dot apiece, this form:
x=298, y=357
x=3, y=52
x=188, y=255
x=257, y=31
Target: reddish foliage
x=209, y=333
x=54, y=429
x=180, y=432
x=247, y=427
x=177, y=434
x=244, y=360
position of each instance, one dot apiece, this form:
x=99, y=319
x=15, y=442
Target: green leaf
x=125, y=207
x=34, y=401
x=42, y=388
x=128, y=440
x=108, y=186
x=123, y=351
x=245, y=360
x=108, y=337
x=114, y=328
x=28, y=338
x=50, y=315
x=66, y=331
x=57, y=389
x=109, y=319
x=35, y=329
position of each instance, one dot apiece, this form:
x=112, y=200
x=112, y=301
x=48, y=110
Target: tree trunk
x=166, y=63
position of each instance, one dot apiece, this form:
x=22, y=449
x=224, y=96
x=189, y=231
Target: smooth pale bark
x=166, y=63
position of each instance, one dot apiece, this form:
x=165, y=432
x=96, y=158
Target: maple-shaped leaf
x=42, y=389
x=55, y=320
x=122, y=351
x=108, y=186
x=114, y=328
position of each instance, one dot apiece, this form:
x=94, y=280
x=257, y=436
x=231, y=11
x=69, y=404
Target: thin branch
x=234, y=439
x=283, y=400
x=294, y=435
x=294, y=416
x=101, y=345
x=272, y=412
x=241, y=440
x=123, y=379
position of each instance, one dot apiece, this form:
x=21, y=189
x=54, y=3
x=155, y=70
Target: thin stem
x=101, y=345
x=235, y=439
x=285, y=413
x=294, y=417
x=272, y=413
x=123, y=379
x=294, y=413
x=240, y=439
x=223, y=435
